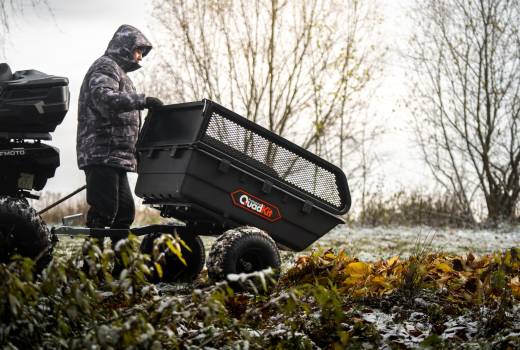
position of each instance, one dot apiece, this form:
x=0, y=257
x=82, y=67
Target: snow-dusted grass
x=373, y=243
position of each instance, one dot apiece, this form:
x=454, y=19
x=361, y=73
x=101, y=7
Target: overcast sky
x=68, y=41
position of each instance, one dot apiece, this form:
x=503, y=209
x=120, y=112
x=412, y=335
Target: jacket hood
x=123, y=44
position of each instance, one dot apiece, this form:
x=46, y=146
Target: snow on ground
x=372, y=243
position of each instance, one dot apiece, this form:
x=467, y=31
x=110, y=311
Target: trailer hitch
x=62, y=200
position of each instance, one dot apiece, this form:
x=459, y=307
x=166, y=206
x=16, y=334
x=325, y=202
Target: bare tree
x=8, y=8
x=303, y=69
x=467, y=58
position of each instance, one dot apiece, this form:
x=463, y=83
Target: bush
x=411, y=209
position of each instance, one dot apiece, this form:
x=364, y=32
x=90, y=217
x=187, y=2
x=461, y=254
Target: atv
x=213, y=171
x=32, y=105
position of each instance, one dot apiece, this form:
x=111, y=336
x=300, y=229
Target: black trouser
x=111, y=202
x=109, y=196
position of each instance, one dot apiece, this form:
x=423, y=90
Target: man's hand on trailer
x=153, y=102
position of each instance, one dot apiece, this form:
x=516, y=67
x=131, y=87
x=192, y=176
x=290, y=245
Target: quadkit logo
x=255, y=205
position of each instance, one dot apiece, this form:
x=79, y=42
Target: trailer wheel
x=23, y=232
x=242, y=250
x=173, y=269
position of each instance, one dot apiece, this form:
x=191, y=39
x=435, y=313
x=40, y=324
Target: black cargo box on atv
x=213, y=169
x=32, y=104
x=31, y=101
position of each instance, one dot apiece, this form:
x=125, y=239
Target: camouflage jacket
x=109, y=107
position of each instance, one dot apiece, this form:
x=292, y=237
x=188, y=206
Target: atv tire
x=23, y=232
x=173, y=269
x=242, y=250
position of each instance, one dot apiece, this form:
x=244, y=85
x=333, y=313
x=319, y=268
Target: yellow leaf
x=351, y=281
x=390, y=262
x=380, y=280
x=329, y=256
x=184, y=244
x=176, y=251
x=357, y=269
x=444, y=267
x=145, y=269
x=159, y=269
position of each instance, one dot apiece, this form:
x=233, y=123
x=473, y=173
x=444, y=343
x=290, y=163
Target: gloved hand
x=152, y=102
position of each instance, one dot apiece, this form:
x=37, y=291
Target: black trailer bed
x=213, y=169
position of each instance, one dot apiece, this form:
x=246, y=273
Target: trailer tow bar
x=62, y=200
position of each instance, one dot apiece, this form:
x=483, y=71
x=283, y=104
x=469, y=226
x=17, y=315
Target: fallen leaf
x=390, y=262
x=329, y=256
x=515, y=286
x=357, y=269
x=444, y=267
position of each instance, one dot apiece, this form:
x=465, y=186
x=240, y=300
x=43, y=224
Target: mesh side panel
x=273, y=159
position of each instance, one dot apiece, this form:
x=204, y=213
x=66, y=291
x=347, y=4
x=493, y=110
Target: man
x=109, y=119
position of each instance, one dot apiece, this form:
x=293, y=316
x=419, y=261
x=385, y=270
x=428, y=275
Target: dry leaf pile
x=465, y=280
